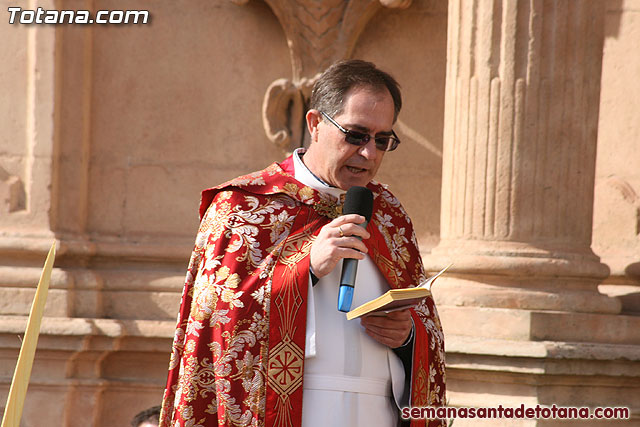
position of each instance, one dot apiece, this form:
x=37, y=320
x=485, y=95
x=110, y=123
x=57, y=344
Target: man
x=259, y=340
x=150, y=417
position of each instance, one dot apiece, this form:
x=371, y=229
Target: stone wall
x=616, y=228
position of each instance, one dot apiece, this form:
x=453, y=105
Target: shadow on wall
x=12, y=195
x=631, y=301
x=613, y=13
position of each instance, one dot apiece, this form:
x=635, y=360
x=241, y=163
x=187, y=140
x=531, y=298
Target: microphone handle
x=345, y=294
x=348, y=281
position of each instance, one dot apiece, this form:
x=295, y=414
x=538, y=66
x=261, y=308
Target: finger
x=381, y=333
x=380, y=323
x=347, y=219
x=390, y=320
x=351, y=243
x=349, y=253
x=391, y=342
x=338, y=248
x=351, y=229
x=386, y=332
x=396, y=335
x=381, y=339
x=399, y=315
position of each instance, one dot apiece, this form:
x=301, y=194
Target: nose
x=369, y=150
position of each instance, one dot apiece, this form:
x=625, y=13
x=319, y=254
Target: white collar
x=306, y=177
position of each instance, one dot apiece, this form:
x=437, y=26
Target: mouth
x=356, y=170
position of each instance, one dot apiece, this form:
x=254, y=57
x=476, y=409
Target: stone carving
x=530, y=142
x=283, y=111
x=12, y=197
x=629, y=195
x=519, y=155
x=318, y=33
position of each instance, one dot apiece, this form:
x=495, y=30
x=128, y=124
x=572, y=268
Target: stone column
x=521, y=116
x=523, y=319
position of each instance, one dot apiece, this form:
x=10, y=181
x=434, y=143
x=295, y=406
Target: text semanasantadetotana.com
x=520, y=412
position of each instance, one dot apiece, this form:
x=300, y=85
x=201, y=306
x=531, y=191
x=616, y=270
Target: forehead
x=370, y=106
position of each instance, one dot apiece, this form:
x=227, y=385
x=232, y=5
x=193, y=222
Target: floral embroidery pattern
x=238, y=347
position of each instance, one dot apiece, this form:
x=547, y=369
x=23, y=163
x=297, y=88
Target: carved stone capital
x=283, y=111
x=318, y=34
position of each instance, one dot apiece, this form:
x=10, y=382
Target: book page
x=427, y=283
x=396, y=299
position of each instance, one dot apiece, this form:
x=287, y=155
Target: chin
x=352, y=183
x=350, y=180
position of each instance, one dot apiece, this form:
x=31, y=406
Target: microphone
x=359, y=200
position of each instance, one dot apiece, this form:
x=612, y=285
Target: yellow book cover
x=396, y=299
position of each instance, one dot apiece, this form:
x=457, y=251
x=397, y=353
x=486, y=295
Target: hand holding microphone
x=359, y=200
x=340, y=239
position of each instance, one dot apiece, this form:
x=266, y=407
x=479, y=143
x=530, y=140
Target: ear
x=313, y=118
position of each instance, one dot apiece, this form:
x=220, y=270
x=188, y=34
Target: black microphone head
x=359, y=200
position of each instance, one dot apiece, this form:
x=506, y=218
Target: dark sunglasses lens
x=382, y=144
x=386, y=143
x=356, y=138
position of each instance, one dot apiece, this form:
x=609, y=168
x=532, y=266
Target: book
x=396, y=299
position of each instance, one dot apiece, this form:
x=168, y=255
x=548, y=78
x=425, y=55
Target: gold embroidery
x=328, y=208
x=256, y=232
x=286, y=358
x=396, y=245
x=386, y=266
x=215, y=220
x=305, y=193
x=285, y=367
x=296, y=249
x=421, y=392
x=291, y=189
x=289, y=299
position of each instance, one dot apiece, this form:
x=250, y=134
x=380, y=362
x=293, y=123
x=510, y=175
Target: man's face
x=337, y=162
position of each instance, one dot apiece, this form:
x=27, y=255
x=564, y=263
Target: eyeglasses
x=383, y=142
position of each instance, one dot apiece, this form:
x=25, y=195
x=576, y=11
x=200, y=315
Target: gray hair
x=336, y=81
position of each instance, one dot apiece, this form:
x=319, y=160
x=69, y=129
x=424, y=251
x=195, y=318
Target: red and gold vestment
x=238, y=351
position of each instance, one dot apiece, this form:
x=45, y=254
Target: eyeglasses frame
x=365, y=140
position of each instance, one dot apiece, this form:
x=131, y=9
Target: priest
x=259, y=340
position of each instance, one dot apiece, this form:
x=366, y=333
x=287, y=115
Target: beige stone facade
x=520, y=162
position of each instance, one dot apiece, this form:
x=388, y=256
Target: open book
x=397, y=299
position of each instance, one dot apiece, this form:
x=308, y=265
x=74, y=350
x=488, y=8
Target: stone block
x=40, y=408
x=141, y=305
x=485, y=372
x=101, y=372
x=82, y=404
x=19, y=300
x=121, y=402
x=137, y=366
x=525, y=325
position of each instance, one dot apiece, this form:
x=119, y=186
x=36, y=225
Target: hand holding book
x=396, y=299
